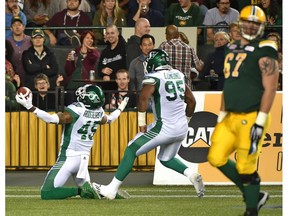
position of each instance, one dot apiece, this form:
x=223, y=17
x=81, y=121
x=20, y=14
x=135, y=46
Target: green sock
x=59, y=193
x=125, y=165
x=230, y=171
x=251, y=195
x=175, y=164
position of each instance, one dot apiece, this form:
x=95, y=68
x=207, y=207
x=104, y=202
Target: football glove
x=24, y=101
x=123, y=104
x=255, y=136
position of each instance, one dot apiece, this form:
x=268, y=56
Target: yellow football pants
x=233, y=134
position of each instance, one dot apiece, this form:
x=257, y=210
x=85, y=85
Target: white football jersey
x=168, y=100
x=77, y=137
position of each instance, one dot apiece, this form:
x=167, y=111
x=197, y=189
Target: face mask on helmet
x=255, y=14
x=157, y=59
x=91, y=96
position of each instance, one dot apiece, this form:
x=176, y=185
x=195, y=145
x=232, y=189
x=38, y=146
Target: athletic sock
x=115, y=184
x=175, y=164
x=251, y=195
x=125, y=165
x=59, y=193
x=188, y=172
x=230, y=171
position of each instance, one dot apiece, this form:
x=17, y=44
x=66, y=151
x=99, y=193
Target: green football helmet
x=157, y=59
x=91, y=96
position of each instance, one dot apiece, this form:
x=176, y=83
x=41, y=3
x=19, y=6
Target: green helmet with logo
x=157, y=59
x=91, y=96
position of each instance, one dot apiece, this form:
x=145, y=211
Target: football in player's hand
x=25, y=91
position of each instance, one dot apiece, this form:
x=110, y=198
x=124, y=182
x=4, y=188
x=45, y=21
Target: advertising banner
x=194, y=149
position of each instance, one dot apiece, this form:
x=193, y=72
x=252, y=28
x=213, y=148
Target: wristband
x=261, y=118
x=141, y=119
x=188, y=119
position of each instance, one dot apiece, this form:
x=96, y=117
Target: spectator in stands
x=84, y=6
x=69, y=17
x=39, y=59
x=43, y=99
x=202, y=5
x=234, y=31
x=19, y=42
x=214, y=62
x=114, y=99
x=155, y=5
x=109, y=13
x=10, y=77
x=221, y=16
x=184, y=13
x=194, y=73
x=10, y=93
x=37, y=13
x=155, y=17
x=81, y=61
x=113, y=57
x=10, y=73
x=182, y=56
x=136, y=68
x=142, y=26
x=273, y=11
x=12, y=10
x=275, y=36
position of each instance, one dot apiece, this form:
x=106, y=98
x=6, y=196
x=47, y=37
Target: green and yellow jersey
x=243, y=87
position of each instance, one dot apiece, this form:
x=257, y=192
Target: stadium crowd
x=31, y=43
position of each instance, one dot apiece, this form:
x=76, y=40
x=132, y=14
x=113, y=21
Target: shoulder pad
x=149, y=81
x=269, y=43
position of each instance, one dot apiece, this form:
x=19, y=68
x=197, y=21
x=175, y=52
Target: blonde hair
x=224, y=34
x=234, y=24
x=104, y=14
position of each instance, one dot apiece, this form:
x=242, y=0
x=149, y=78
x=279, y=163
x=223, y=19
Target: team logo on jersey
x=249, y=48
x=198, y=140
x=232, y=46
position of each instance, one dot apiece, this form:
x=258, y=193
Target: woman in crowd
x=214, y=62
x=81, y=61
x=108, y=13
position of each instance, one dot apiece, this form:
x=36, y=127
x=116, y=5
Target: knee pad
x=251, y=179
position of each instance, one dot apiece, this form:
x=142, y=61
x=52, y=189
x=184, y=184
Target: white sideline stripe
x=147, y=190
x=152, y=196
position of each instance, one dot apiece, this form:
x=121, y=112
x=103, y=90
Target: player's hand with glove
x=24, y=101
x=123, y=104
x=256, y=131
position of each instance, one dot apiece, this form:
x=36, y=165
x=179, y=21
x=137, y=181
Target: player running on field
x=251, y=80
x=169, y=93
x=81, y=121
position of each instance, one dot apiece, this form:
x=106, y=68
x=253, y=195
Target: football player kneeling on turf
x=81, y=120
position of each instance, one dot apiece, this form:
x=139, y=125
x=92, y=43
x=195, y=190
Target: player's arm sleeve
x=112, y=116
x=45, y=116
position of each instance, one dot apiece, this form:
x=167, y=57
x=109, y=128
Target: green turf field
x=145, y=200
